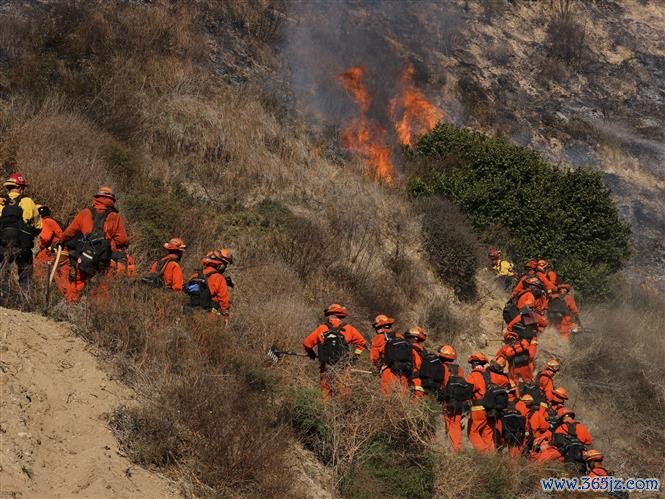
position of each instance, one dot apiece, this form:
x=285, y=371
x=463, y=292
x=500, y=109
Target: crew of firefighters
x=92, y=249
x=505, y=405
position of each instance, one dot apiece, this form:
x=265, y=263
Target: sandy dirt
x=54, y=404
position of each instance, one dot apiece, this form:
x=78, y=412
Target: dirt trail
x=54, y=401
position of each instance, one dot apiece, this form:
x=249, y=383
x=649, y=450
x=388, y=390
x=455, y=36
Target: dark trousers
x=23, y=260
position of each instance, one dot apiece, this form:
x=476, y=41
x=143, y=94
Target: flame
x=364, y=136
x=413, y=114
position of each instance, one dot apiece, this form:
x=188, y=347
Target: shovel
x=275, y=354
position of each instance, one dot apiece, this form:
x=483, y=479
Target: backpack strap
x=161, y=266
x=453, y=369
x=99, y=219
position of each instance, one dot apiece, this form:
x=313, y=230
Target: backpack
x=156, y=279
x=93, y=249
x=513, y=427
x=569, y=445
x=557, y=306
x=13, y=229
x=495, y=400
x=510, y=310
x=198, y=291
x=532, y=389
x=334, y=347
x=398, y=355
x=525, y=332
x=520, y=357
x=431, y=372
x=458, y=390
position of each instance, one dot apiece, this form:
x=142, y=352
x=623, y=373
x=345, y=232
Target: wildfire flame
x=364, y=136
x=412, y=113
x=418, y=115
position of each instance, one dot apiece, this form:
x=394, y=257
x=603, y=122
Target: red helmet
x=217, y=257
x=494, y=253
x=477, y=357
x=175, y=244
x=105, y=191
x=382, y=320
x=336, y=309
x=15, y=180
x=416, y=332
x=531, y=264
x=447, y=352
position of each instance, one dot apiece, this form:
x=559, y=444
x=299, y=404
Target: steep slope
x=54, y=440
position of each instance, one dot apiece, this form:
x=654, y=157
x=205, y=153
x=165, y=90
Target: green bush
x=565, y=216
x=383, y=470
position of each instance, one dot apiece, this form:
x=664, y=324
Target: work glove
x=311, y=354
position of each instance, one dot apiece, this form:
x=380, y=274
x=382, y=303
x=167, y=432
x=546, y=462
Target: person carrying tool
x=503, y=269
x=417, y=336
x=568, y=440
x=513, y=424
x=51, y=232
x=392, y=355
x=332, y=340
x=167, y=272
x=19, y=225
x=456, y=396
x=545, y=379
x=520, y=355
x=96, y=236
x=208, y=289
x=68, y=278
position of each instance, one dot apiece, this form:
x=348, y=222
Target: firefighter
x=417, y=336
x=19, y=225
x=550, y=275
x=167, y=272
x=520, y=355
x=332, y=340
x=545, y=378
x=457, y=393
x=479, y=430
x=571, y=314
x=503, y=269
x=50, y=233
x=392, y=355
x=208, y=289
x=567, y=441
x=594, y=463
x=514, y=424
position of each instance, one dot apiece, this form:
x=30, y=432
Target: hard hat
x=15, y=180
x=592, y=455
x=382, y=320
x=527, y=399
x=217, y=257
x=43, y=210
x=175, y=244
x=553, y=365
x=560, y=392
x=498, y=364
x=532, y=281
x=565, y=411
x=336, y=309
x=416, y=332
x=493, y=253
x=477, y=357
x=510, y=335
x=543, y=264
x=561, y=287
x=447, y=352
x=227, y=255
x=105, y=191
x=531, y=264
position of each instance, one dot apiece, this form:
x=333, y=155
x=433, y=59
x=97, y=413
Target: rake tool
x=275, y=354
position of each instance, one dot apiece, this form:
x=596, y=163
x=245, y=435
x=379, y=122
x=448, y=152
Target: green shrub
x=565, y=216
x=383, y=470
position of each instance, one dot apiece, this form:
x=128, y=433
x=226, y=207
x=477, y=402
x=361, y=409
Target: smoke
x=324, y=38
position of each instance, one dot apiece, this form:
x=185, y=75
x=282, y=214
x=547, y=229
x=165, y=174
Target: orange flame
x=363, y=136
x=418, y=115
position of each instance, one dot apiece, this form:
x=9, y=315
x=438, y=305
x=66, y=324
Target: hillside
x=254, y=125
x=55, y=403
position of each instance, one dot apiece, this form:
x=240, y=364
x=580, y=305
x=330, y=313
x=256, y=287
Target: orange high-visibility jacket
x=546, y=384
x=515, y=347
x=172, y=273
x=351, y=335
x=114, y=225
x=219, y=290
x=50, y=233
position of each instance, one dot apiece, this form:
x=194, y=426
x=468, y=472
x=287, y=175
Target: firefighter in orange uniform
x=392, y=355
x=417, y=336
x=168, y=267
x=479, y=431
x=519, y=354
x=545, y=378
x=51, y=232
x=569, y=320
x=332, y=340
